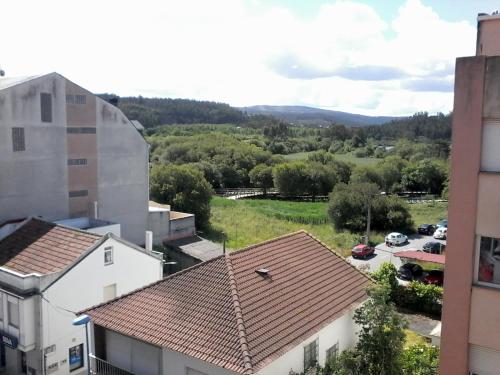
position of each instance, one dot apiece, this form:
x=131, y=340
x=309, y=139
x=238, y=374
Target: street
x=384, y=253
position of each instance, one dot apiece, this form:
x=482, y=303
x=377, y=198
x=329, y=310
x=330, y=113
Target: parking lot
x=384, y=253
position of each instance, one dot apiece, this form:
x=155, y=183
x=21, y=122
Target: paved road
x=384, y=253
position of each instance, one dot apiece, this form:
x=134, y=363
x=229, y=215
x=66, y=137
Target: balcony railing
x=101, y=367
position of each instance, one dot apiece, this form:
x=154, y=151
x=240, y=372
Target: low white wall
x=159, y=224
x=342, y=330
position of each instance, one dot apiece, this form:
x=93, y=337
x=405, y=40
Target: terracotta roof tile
x=222, y=311
x=42, y=247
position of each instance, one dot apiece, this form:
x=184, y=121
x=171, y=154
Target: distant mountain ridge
x=315, y=116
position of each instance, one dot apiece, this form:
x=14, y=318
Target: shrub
x=420, y=359
x=420, y=297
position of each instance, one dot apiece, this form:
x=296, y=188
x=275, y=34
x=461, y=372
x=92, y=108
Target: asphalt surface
x=384, y=253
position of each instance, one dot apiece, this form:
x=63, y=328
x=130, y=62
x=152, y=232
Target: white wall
x=83, y=287
x=43, y=161
x=342, y=330
x=490, y=152
x=175, y=363
x=133, y=355
x=483, y=361
x=123, y=175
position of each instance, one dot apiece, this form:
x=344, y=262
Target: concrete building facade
x=470, y=340
x=67, y=153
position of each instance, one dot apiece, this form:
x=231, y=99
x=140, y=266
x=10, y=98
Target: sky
x=384, y=57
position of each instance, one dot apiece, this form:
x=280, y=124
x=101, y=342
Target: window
x=76, y=357
x=13, y=313
x=18, y=139
x=488, y=261
x=108, y=255
x=46, y=107
x=80, y=99
x=80, y=130
x=70, y=99
x=332, y=352
x=77, y=161
x=109, y=292
x=311, y=354
x=78, y=193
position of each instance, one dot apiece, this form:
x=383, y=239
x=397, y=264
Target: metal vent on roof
x=263, y=271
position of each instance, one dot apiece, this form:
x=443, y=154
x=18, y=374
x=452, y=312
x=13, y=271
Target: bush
x=420, y=297
x=420, y=359
x=386, y=275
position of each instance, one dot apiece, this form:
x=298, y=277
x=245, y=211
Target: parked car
x=395, y=239
x=442, y=223
x=410, y=271
x=362, y=251
x=434, y=277
x=434, y=247
x=427, y=229
x=441, y=233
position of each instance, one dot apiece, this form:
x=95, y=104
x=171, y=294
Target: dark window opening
x=80, y=130
x=18, y=143
x=46, y=107
x=78, y=193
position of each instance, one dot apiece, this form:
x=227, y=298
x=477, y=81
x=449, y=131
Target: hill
x=315, y=116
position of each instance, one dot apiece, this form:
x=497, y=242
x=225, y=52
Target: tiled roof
x=224, y=312
x=421, y=256
x=42, y=247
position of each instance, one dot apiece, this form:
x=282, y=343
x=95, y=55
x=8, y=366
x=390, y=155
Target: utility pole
x=368, y=220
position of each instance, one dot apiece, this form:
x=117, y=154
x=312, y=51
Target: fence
x=101, y=367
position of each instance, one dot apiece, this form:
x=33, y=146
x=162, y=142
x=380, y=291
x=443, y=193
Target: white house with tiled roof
x=47, y=273
x=285, y=304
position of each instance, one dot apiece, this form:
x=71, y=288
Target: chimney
x=149, y=241
x=95, y=210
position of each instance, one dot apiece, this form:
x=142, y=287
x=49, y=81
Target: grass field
x=246, y=222
x=344, y=157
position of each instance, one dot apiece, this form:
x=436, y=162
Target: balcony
x=101, y=367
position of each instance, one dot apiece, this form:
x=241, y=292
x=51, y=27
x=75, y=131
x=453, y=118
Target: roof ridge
x=249, y=247
x=240, y=323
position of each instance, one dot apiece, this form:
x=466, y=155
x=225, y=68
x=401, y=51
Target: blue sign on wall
x=8, y=340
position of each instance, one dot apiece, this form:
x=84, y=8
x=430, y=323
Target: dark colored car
x=434, y=247
x=434, y=277
x=427, y=229
x=362, y=251
x=410, y=271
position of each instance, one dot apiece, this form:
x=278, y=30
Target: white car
x=396, y=239
x=441, y=233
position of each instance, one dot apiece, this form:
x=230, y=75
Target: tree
x=348, y=205
x=184, y=188
x=381, y=336
x=427, y=175
x=366, y=174
x=262, y=176
x=420, y=359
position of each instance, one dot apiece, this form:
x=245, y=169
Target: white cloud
x=241, y=52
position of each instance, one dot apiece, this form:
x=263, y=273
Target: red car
x=434, y=277
x=362, y=251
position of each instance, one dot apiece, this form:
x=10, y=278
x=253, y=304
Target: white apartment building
x=48, y=272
